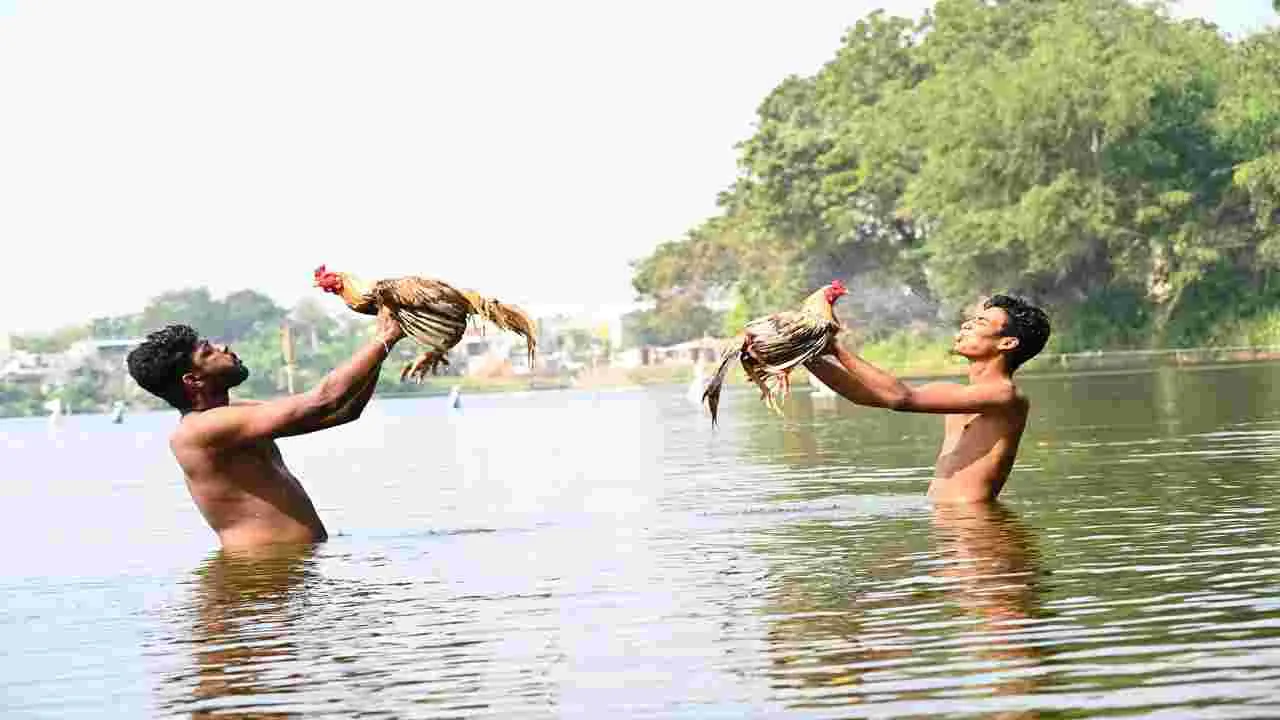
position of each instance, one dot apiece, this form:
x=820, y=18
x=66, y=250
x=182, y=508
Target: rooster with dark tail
x=432, y=312
x=772, y=346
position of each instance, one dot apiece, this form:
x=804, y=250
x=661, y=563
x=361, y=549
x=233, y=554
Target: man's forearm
x=858, y=380
x=356, y=405
x=346, y=382
x=353, y=407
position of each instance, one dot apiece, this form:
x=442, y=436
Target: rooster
x=772, y=346
x=432, y=312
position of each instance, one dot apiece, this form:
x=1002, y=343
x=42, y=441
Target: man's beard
x=234, y=376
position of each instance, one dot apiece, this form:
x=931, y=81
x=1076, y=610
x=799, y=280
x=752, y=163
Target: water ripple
x=605, y=555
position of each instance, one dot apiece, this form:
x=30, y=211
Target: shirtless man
x=984, y=419
x=227, y=449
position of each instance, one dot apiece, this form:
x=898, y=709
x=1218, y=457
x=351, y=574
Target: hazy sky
x=529, y=150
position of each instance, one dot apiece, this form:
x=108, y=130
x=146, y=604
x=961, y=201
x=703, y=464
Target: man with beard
x=227, y=449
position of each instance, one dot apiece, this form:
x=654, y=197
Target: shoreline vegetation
x=914, y=359
x=1116, y=165
x=1113, y=164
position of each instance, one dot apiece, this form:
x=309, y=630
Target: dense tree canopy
x=1120, y=166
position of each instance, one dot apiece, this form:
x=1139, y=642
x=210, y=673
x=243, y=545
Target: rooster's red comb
x=320, y=271
x=839, y=286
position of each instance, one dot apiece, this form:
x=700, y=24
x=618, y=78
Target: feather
x=772, y=346
x=507, y=317
x=435, y=314
x=432, y=312
x=711, y=394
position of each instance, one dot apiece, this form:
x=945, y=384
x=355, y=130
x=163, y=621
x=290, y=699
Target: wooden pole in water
x=286, y=348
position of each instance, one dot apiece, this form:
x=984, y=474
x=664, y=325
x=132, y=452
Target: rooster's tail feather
x=711, y=395
x=507, y=317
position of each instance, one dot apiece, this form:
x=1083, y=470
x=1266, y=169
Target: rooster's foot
x=420, y=367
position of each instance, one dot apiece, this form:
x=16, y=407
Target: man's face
x=981, y=335
x=217, y=365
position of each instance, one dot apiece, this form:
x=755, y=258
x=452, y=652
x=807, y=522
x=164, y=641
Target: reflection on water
x=991, y=573
x=864, y=623
x=248, y=608
x=609, y=555
x=269, y=634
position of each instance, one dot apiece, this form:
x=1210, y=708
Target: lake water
x=581, y=554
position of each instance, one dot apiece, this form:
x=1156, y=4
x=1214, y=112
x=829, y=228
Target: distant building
x=106, y=352
x=601, y=321
x=704, y=349
x=488, y=350
x=21, y=366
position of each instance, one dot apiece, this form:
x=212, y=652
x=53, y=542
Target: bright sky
x=529, y=150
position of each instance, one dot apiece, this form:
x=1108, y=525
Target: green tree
x=249, y=311
x=119, y=326
x=647, y=327
x=20, y=399
x=85, y=391
x=194, y=307
x=54, y=342
x=1119, y=165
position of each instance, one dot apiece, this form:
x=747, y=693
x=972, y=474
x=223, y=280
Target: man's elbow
x=324, y=400
x=334, y=422
x=900, y=401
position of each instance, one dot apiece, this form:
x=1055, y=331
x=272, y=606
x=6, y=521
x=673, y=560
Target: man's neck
x=987, y=370
x=210, y=401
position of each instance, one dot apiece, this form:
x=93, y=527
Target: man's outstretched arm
x=345, y=414
x=865, y=384
x=352, y=409
x=346, y=388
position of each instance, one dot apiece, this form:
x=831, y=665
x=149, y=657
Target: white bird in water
x=696, y=385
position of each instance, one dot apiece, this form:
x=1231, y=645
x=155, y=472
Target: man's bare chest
x=955, y=427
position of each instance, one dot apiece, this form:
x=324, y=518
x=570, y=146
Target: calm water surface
x=578, y=554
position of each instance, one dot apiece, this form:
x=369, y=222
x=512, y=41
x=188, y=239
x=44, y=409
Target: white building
x=488, y=350
x=110, y=352
x=21, y=366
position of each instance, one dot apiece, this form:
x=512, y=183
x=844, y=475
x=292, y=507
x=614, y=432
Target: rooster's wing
x=432, y=312
x=786, y=339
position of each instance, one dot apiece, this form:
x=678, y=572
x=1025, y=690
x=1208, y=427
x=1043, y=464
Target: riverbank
x=908, y=360
x=918, y=362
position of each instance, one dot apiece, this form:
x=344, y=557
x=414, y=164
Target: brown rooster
x=772, y=346
x=432, y=312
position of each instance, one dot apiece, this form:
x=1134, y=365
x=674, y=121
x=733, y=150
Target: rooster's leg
x=769, y=389
x=772, y=404
x=780, y=389
x=417, y=369
x=422, y=366
x=777, y=401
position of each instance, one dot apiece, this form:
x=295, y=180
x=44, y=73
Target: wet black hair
x=159, y=363
x=1027, y=322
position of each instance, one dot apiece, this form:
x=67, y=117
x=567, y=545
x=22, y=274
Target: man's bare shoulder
x=1003, y=390
x=994, y=396
x=1012, y=402
x=1017, y=398
x=197, y=429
